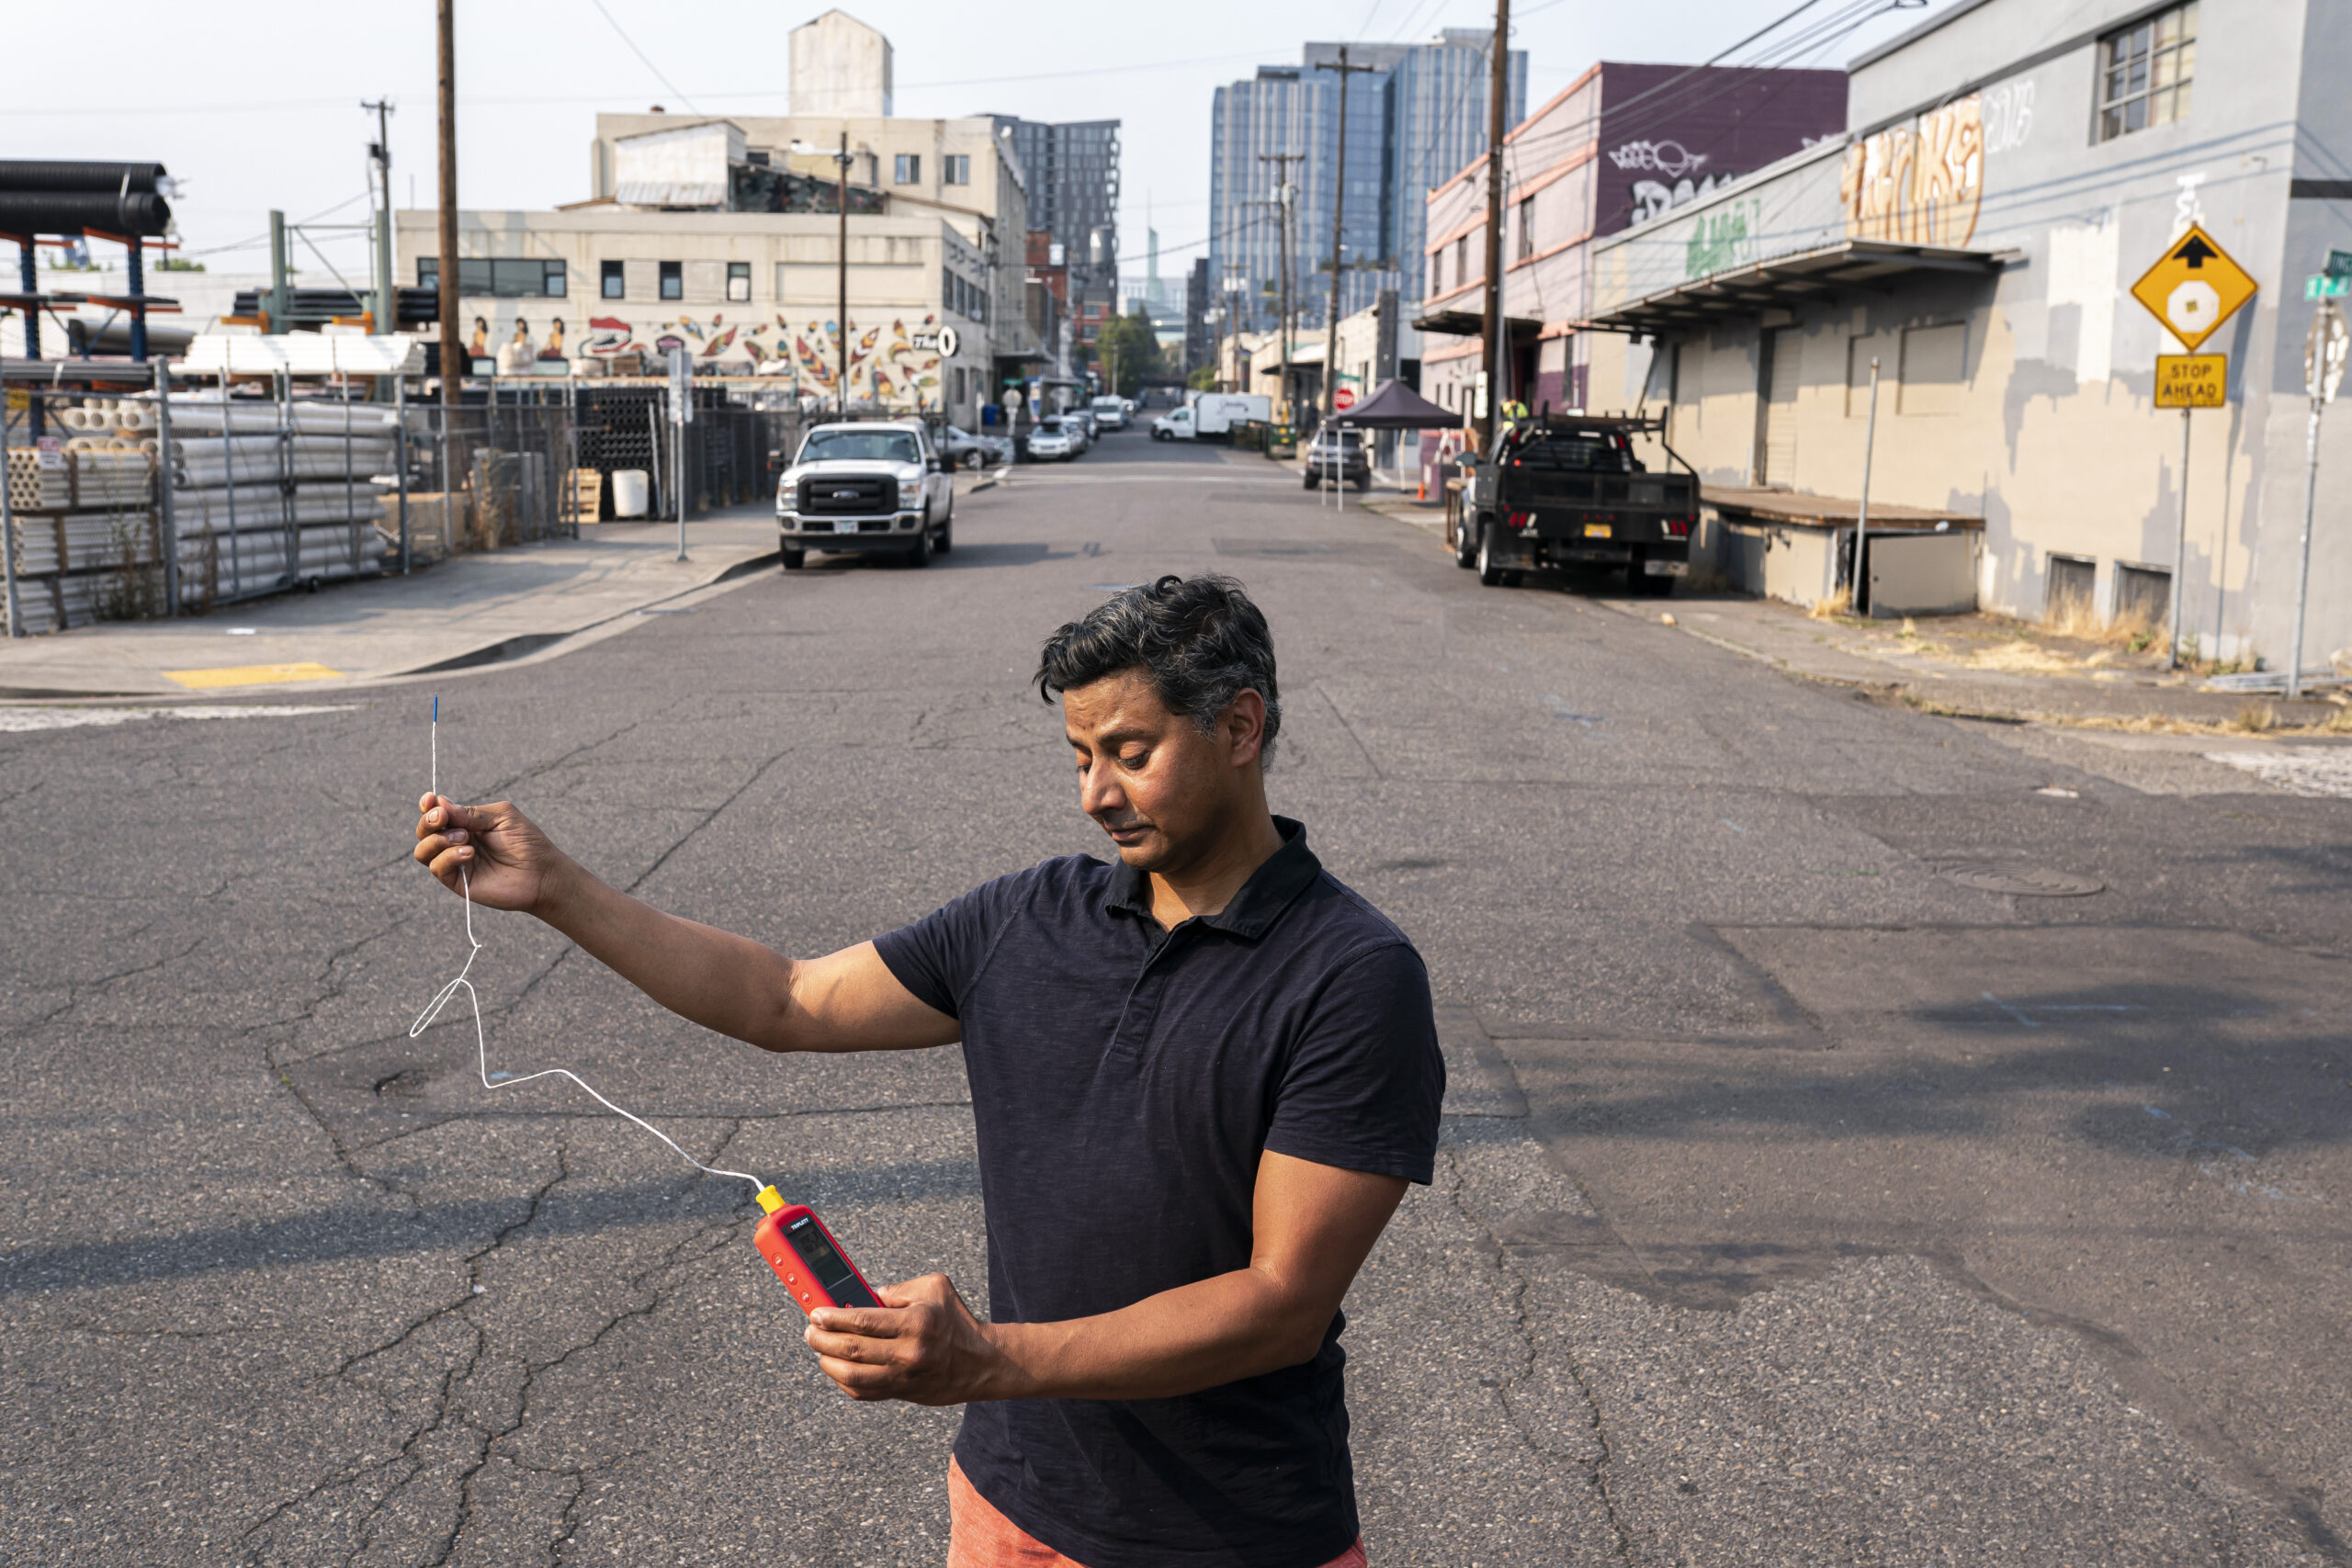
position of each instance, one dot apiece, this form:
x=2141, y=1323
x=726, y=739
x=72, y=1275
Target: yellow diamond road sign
x=2194, y=287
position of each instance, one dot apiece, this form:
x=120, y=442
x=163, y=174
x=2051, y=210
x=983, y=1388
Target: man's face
x=1157, y=783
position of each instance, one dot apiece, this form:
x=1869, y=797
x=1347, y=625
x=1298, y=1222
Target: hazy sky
x=254, y=104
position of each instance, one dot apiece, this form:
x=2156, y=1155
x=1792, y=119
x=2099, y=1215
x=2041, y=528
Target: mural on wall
x=1919, y=184
x=898, y=363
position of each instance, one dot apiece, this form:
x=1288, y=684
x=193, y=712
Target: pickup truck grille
x=854, y=495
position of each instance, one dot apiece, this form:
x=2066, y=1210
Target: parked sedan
x=1053, y=441
x=967, y=450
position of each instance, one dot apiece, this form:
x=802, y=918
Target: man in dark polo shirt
x=1202, y=1076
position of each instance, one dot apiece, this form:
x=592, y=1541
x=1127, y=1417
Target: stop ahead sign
x=1345, y=399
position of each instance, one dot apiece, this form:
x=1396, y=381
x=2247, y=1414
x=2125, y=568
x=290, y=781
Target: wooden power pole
x=453, y=339
x=1497, y=94
x=1339, y=207
x=1283, y=194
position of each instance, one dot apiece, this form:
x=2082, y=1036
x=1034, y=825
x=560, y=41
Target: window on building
x=1935, y=368
x=1462, y=261
x=613, y=280
x=955, y=169
x=503, y=277
x=907, y=169
x=739, y=282
x=2144, y=71
x=673, y=280
x=1526, y=227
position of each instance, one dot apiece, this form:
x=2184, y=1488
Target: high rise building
x=1073, y=172
x=1413, y=120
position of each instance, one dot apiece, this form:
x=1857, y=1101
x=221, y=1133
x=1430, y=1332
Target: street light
x=840, y=263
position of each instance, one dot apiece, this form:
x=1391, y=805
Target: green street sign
x=2326, y=285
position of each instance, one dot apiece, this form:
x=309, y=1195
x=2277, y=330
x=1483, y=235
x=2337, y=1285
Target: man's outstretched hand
x=509, y=863
x=922, y=1345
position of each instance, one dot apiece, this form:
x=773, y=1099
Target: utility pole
x=1283, y=194
x=453, y=342
x=1338, y=206
x=1498, y=93
x=388, y=288
x=840, y=208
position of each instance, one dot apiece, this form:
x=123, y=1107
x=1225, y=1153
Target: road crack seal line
x=1596, y=1473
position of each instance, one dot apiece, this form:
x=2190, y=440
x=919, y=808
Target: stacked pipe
x=49, y=195
x=251, y=478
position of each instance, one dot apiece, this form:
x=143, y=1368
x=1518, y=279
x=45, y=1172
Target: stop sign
x=1345, y=399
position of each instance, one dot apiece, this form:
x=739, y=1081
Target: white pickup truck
x=1211, y=416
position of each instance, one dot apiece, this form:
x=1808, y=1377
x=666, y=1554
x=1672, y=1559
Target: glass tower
x=1414, y=122
x=1073, y=172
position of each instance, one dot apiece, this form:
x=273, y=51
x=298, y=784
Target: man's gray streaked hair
x=1200, y=639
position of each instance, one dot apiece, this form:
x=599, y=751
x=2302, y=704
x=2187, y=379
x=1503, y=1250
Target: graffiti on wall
x=1723, y=239
x=1918, y=183
x=898, y=364
x=1681, y=175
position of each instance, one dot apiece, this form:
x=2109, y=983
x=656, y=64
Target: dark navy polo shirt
x=1125, y=1081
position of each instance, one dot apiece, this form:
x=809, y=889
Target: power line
x=643, y=56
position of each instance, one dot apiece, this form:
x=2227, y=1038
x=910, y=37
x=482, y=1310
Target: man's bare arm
x=1313, y=1225
x=846, y=1001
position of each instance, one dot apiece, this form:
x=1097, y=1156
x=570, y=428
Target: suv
x=1339, y=456
x=1053, y=439
x=866, y=487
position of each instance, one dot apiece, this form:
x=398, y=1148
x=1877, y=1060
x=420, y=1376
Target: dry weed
x=2255, y=718
x=1837, y=607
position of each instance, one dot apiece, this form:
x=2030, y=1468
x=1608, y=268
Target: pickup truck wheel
x=919, y=553
x=1489, y=574
x=1310, y=481
x=793, y=559
x=947, y=536
x=1162, y=436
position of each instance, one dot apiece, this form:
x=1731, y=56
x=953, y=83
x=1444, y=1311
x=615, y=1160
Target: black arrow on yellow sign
x=2196, y=253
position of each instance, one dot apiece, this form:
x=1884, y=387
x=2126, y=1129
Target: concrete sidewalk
x=467, y=611
x=471, y=609
x=1970, y=666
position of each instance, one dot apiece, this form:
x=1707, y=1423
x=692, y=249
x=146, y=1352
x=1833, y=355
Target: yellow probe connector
x=770, y=1199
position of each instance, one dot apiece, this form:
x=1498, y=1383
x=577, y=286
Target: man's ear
x=1245, y=728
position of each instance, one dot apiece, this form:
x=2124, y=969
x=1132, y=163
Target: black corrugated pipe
x=142, y=213
x=69, y=175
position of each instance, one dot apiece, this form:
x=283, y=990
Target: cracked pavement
x=1798, y=1202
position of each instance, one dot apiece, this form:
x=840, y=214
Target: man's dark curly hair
x=1200, y=639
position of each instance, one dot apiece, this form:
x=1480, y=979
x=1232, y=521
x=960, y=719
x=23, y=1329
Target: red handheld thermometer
x=807, y=1259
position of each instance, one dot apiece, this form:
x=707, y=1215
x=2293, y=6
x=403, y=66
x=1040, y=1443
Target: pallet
x=587, y=495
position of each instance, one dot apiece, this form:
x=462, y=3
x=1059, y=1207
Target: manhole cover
x=2026, y=881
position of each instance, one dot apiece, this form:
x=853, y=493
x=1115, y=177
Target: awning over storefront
x=1785, y=282
x=1472, y=323
x=1741, y=503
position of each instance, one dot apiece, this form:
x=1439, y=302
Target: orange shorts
x=980, y=1537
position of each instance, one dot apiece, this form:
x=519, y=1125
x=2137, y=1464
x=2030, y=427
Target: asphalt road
x=1803, y=1200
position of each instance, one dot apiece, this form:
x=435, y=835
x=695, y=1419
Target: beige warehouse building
x=2009, y=175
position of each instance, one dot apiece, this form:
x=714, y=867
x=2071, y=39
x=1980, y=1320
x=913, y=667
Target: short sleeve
x=938, y=957
x=1364, y=1083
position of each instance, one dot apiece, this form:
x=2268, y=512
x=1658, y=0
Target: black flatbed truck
x=1565, y=490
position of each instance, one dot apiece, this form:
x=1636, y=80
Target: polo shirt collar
x=1285, y=875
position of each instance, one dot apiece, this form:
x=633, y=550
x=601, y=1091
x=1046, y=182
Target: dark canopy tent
x=1398, y=407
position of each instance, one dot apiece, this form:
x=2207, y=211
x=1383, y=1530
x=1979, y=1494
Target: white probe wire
x=482, y=1045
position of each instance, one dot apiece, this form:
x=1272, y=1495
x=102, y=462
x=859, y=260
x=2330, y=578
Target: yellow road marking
x=252, y=675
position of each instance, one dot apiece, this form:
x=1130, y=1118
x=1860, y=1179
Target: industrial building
x=1970, y=245
x=1621, y=143
x=722, y=235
